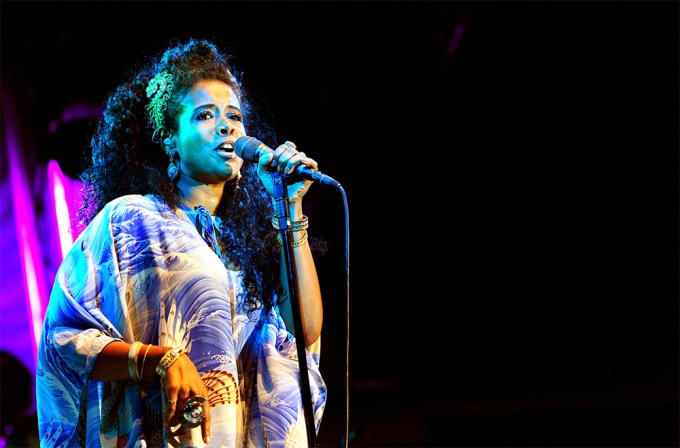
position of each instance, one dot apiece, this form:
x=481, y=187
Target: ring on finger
x=172, y=401
x=193, y=411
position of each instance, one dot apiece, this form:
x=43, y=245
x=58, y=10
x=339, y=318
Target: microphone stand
x=293, y=293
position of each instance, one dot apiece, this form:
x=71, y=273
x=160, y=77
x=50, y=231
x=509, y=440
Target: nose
x=223, y=129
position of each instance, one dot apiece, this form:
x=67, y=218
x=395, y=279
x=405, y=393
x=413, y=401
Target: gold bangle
x=132, y=360
x=294, y=226
x=141, y=370
x=296, y=243
x=167, y=359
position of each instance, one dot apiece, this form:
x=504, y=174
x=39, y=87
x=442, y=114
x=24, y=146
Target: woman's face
x=209, y=124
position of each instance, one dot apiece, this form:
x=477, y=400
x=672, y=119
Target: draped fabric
x=143, y=272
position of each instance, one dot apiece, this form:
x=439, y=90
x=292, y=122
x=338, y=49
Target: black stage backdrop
x=511, y=177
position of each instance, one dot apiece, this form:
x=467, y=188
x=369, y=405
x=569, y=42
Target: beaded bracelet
x=296, y=243
x=132, y=360
x=167, y=359
x=294, y=226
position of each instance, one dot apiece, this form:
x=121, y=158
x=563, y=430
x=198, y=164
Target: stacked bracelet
x=294, y=226
x=132, y=360
x=167, y=359
x=296, y=243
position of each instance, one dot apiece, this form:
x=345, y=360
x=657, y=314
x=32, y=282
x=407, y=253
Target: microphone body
x=250, y=149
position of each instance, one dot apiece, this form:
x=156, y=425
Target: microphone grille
x=246, y=148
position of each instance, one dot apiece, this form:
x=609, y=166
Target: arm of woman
x=285, y=159
x=311, y=308
x=112, y=362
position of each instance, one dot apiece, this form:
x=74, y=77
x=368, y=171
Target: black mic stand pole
x=294, y=295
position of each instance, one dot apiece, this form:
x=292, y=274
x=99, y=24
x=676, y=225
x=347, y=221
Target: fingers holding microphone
x=282, y=159
x=287, y=158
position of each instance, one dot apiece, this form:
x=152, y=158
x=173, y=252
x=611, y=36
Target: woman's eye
x=205, y=115
x=235, y=116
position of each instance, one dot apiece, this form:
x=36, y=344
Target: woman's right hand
x=180, y=383
x=285, y=159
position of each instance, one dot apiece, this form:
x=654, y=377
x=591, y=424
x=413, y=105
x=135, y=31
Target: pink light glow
x=59, y=187
x=24, y=216
x=34, y=296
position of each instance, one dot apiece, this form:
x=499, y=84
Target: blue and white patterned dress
x=141, y=272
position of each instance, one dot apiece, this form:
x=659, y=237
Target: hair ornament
x=159, y=91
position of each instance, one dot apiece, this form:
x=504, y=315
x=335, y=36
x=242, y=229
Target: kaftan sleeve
x=75, y=331
x=275, y=412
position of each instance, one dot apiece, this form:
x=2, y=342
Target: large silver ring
x=193, y=411
x=172, y=401
x=290, y=144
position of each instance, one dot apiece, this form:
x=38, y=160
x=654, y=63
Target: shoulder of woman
x=126, y=215
x=133, y=202
x=132, y=209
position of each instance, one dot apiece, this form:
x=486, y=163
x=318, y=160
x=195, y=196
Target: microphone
x=250, y=149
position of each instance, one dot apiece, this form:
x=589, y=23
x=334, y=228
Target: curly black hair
x=127, y=158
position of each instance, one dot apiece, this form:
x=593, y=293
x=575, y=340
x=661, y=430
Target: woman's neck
x=193, y=194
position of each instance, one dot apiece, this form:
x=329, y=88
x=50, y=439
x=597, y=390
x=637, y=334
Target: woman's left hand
x=285, y=159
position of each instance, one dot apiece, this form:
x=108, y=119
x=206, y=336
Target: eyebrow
x=211, y=105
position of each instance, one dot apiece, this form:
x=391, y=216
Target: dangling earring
x=173, y=169
x=238, y=178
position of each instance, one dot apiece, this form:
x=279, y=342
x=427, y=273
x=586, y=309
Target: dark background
x=510, y=170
